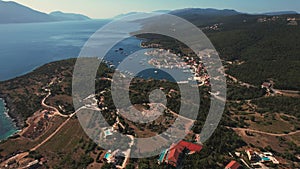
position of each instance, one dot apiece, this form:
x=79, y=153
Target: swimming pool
x=265, y=158
x=108, y=132
x=107, y=155
x=162, y=155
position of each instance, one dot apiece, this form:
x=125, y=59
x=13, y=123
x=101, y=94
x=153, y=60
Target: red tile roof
x=232, y=165
x=176, y=150
x=174, y=154
x=191, y=146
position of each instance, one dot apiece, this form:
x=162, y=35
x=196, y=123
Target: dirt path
x=178, y=115
x=54, y=109
x=240, y=82
x=288, y=93
x=52, y=135
x=41, y=112
x=19, y=156
x=57, y=130
x=262, y=132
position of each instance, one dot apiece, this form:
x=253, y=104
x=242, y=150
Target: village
x=161, y=58
x=252, y=159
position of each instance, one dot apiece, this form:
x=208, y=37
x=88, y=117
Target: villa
x=174, y=155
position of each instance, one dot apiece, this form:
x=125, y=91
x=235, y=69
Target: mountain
x=162, y=11
x=68, y=16
x=201, y=17
x=196, y=15
x=205, y=12
x=281, y=13
x=12, y=12
x=126, y=14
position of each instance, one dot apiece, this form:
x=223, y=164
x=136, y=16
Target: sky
x=109, y=8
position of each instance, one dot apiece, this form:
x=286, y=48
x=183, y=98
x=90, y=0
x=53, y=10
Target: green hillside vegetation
x=266, y=50
x=24, y=94
x=270, y=49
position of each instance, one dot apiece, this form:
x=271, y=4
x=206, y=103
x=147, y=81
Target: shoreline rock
x=16, y=118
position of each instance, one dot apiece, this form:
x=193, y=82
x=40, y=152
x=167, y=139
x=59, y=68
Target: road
x=288, y=93
x=55, y=110
x=24, y=154
x=240, y=82
x=127, y=154
x=262, y=132
x=58, y=129
x=19, y=156
x=246, y=164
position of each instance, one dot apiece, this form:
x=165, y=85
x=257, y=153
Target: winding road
x=55, y=110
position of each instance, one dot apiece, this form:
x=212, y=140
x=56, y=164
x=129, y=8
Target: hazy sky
x=110, y=8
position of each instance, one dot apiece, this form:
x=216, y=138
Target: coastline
x=10, y=109
x=8, y=122
x=9, y=112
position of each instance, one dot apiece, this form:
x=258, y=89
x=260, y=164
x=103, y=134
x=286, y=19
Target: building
x=177, y=152
x=175, y=155
x=292, y=23
x=33, y=165
x=252, y=156
x=233, y=165
x=266, y=85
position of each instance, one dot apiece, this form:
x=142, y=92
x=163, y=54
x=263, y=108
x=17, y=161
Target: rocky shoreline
x=16, y=118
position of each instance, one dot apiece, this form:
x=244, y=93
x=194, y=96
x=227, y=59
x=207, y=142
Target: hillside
x=12, y=12
x=204, y=12
x=281, y=13
x=202, y=17
x=254, y=49
x=68, y=16
x=57, y=78
x=78, y=150
x=268, y=46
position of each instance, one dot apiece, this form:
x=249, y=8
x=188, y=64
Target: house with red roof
x=178, y=151
x=233, y=165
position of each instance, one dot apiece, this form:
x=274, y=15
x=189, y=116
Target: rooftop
x=233, y=165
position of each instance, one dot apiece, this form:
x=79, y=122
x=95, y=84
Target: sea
x=24, y=47
x=7, y=127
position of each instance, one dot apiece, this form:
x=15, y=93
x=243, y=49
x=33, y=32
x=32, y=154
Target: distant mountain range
x=204, y=12
x=68, y=16
x=125, y=14
x=281, y=13
x=12, y=12
x=208, y=12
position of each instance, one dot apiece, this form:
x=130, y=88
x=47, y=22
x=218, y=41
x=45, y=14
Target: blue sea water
x=24, y=47
x=7, y=127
